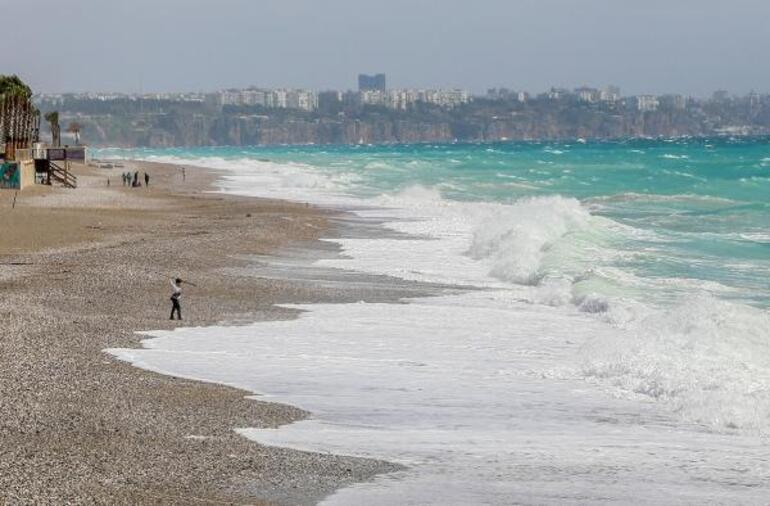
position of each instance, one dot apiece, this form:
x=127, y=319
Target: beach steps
x=62, y=175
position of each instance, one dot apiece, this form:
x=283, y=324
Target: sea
x=604, y=337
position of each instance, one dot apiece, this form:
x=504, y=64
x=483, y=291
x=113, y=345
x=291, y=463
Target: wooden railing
x=63, y=176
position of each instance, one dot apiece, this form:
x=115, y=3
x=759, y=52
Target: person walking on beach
x=146, y=180
x=177, y=293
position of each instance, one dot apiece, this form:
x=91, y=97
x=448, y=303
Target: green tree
x=18, y=116
x=14, y=86
x=53, y=121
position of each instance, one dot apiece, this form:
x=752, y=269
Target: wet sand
x=82, y=270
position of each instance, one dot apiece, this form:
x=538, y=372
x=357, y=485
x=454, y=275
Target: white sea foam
x=293, y=181
x=755, y=236
x=709, y=360
x=482, y=397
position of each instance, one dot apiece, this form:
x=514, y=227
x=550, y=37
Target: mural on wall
x=10, y=176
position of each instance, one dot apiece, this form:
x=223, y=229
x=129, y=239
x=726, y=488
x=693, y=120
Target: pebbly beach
x=82, y=270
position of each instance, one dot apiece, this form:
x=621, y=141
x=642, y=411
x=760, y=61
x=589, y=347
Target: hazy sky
x=644, y=46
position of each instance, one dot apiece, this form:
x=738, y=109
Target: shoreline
x=80, y=426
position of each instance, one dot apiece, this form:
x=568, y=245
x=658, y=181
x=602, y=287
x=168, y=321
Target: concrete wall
x=27, y=173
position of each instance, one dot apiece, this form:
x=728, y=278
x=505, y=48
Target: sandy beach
x=83, y=270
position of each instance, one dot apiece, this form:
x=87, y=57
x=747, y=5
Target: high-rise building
x=371, y=83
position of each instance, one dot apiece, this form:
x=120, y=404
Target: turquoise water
x=690, y=214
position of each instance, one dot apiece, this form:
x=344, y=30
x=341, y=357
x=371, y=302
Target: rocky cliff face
x=200, y=129
x=260, y=130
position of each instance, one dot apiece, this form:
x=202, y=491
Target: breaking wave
x=517, y=238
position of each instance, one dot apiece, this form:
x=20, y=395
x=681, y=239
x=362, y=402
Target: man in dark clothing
x=146, y=179
x=177, y=293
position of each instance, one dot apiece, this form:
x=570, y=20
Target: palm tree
x=12, y=85
x=17, y=114
x=74, y=128
x=53, y=121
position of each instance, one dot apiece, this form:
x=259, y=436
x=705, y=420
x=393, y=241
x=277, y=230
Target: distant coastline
x=176, y=122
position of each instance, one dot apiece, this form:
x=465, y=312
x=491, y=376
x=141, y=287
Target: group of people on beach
x=132, y=180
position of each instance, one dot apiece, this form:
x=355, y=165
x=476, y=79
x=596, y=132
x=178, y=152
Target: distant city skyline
x=583, y=93
x=691, y=47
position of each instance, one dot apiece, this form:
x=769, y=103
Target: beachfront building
x=24, y=160
x=41, y=164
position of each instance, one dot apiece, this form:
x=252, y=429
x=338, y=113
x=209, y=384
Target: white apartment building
x=374, y=97
x=647, y=103
x=305, y=100
x=446, y=98
x=301, y=99
x=402, y=99
x=589, y=95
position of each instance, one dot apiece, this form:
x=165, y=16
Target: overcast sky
x=644, y=46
